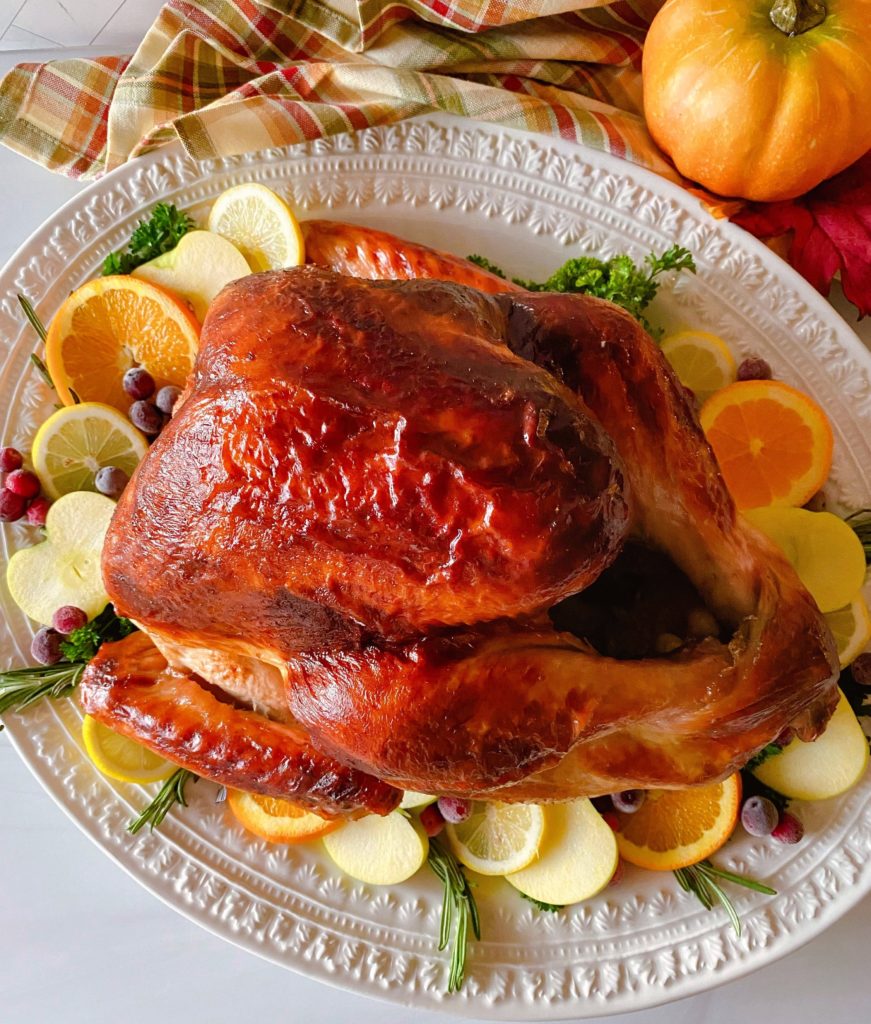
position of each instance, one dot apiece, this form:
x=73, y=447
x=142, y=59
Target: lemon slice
x=260, y=224
x=78, y=440
x=498, y=838
x=121, y=758
x=701, y=361
x=851, y=628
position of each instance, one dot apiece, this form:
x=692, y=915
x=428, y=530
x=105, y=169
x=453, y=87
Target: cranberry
x=37, y=511
x=629, y=800
x=146, y=417
x=12, y=506
x=432, y=820
x=23, y=482
x=861, y=669
x=111, y=481
x=759, y=816
x=754, y=368
x=138, y=383
x=789, y=829
x=68, y=618
x=611, y=820
x=45, y=646
x=10, y=459
x=453, y=809
x=166, y=398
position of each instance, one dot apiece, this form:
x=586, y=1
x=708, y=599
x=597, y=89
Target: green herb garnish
x=37, y=324
x=769, y=750
x=860, y=523
x=703, y=880
x=151, y=238
x=619, y=279
x=170, y=794
x=21, y=687
x=551, y=907
x=458, y=903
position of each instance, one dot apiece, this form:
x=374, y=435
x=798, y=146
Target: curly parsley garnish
x=619, y=279
x=151, y=238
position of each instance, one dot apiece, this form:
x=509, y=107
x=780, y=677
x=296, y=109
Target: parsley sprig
x=703, y=880
x=21, y=687
x=552, y=908
x=458, y=903
x=860, y=523
x=151, y=238
x=619, y=279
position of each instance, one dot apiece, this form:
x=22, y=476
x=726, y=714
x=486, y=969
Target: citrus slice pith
x=773, y=443
x=278, y=821
x=851, y=628
x=78, y=440
x=702, y=361
x=674, y=828
x=121, y=758
x=260, y=224
x=111, y=324
x=497, y=838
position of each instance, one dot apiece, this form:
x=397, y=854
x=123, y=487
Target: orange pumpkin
x=761, y=99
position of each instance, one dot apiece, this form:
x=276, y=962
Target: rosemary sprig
x=703, y=880
x=21, y=687
x=552, y=908
x=39, y=327
x=458, y=903
x=171, y=793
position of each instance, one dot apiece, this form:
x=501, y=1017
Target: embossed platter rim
x=468, y=188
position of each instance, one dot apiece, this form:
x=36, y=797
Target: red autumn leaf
x=831, y=231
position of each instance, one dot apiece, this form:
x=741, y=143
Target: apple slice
x=196, y=269
x=825, y=768
x=65, y=567
x=411, y=798
x=381, y=851
x=577, y=858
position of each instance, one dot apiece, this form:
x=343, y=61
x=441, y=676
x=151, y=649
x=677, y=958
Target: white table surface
x=82, y=942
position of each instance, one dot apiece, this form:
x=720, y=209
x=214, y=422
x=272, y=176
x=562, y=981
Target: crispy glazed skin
x=129, y=685
x=291, y=514
x=356, y=456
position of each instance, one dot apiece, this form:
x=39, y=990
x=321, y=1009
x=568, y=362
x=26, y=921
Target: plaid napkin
x=229, y=77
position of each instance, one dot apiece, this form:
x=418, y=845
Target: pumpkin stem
x=793, y=17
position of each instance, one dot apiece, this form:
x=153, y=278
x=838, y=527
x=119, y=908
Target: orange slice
x=111, y=324
x=773, y=443
x=279, y=821
x=674, y=828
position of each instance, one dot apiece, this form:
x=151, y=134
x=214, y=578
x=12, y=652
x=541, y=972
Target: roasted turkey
x=413, y=527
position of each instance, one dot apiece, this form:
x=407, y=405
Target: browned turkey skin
x=369, y=500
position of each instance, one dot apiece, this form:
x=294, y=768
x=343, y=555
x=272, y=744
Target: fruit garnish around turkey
x=576, y=858
x=110, y=325
x=851, y=628
x=497, y=838
x=260, y=224
x=65, y=568
x=120, y=758
x=278, y=821
x=702, y=361
x=829, y=766
x=196, y=269
x=676, y=828
x=823, y=550
x=380, y=851
x=772, y=442
x=77, y=442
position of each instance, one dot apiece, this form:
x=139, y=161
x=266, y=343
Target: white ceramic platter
x=528, y=203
